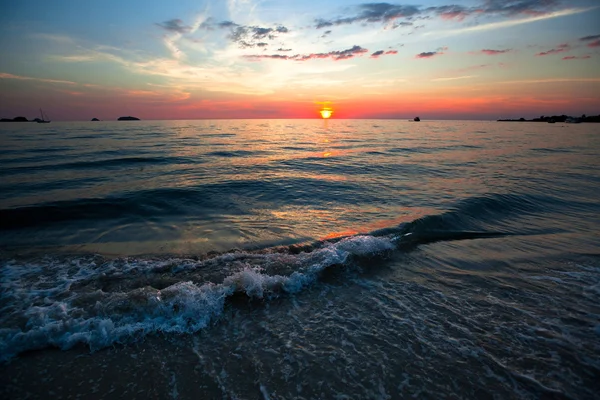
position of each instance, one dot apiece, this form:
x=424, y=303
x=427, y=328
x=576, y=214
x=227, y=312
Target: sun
x=326, y=112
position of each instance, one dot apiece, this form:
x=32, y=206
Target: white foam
x=47, y=303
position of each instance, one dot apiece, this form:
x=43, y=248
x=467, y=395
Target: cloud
x=451, y=12
x=509, y=23
x=372, y=12
x=54, y=38
x=491, y=52
x=379, y=53
x=454, y=78
x=427, y=54
x=387, y=12
x=561, y=48
x=551, y=80
x=477, y=67
x=576, y=58
x=4, y=75
x=175, y=25
x=251, y=36
x=227, y=24
x=515, y=7
x=244, y=36
x=334, y=55
x=595, y=43
x=588, y=38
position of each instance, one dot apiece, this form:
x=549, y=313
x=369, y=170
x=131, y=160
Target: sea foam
x=57, y=303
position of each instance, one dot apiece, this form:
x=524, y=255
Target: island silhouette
x=557, y=118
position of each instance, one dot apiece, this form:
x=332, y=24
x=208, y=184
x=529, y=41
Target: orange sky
x=470, y=59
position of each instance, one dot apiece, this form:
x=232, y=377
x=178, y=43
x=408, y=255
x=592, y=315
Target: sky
x=193, y=59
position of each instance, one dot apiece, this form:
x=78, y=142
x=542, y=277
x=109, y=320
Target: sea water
x=299, y=259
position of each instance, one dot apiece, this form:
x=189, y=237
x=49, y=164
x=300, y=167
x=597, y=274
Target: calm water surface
x=300, y=259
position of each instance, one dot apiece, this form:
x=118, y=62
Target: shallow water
x=300, y=259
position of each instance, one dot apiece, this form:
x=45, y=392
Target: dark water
x=300, y=259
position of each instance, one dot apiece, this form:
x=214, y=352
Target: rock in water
x=130, y=118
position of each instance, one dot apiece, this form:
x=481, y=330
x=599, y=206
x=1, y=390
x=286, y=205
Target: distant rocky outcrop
x=16, y=119
x=130, y=118
x=95, y=119
x=556, y=118
x=417, y=119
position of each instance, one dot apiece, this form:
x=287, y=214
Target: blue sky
x=277, y=59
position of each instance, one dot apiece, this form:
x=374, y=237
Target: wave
x=63, y=302
x=100, y=164
x=83, y=307
x=237, y=153
x=185, y=201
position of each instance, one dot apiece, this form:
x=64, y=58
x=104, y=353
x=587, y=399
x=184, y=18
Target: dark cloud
x=334, y=55
x=227, y=24
x=515, y=7
x=251, y=36
x=175, y=25
x=246, y=36
x=576, y=58
x=588, y=38
x=387, y=12
x=450, y=12
x=561, y=48
x=491, y=52
x=401, y=24
x=282, y=49
x=427, y=54
x=372, y=12
x=379, y=53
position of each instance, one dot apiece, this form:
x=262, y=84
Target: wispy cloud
x=334, y=55
x=508, y=23
x=588, y=38
x=430, y=54
x=551, y=80
x=175, y=25
x=388, y=13
x=454, y=78
x=372, y=12
x=561, y=48
x=176, y=30
x=492, y=52
x=4, y=75
x=380, y=53
x=595, y=43
x=54, y=38
x=576, y=58
x=516, y=7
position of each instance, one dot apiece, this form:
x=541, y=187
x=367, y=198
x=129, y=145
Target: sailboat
x=43, y=120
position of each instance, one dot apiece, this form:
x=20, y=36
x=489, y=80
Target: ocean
x=299, y=259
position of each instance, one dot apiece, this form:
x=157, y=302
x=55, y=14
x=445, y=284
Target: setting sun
x=326, y=113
